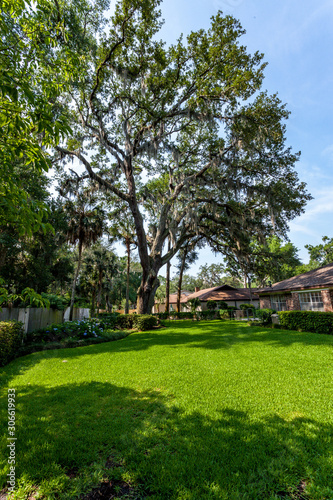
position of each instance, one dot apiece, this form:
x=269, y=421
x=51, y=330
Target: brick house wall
x=265, y=302
x=327, y=300
x=289, y=302
x=292, y=302
x=295, y=303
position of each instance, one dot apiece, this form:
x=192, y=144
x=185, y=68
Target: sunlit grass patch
x=214, y=410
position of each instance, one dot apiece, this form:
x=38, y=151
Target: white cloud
x=328, y=154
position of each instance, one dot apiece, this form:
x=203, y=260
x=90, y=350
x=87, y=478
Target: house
x=160, y=306
x=232, y=296
x=311, y=291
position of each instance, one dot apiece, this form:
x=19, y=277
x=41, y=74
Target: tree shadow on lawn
x=204, y=335
x=167, y=452
x=220, y=335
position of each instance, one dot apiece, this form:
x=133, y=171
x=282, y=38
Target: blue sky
x=297, y=40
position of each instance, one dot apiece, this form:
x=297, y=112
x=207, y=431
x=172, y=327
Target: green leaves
x=30, y=120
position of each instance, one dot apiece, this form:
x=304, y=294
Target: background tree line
x=180, y=146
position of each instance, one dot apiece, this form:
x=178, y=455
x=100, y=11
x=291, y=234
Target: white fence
x=35, y=318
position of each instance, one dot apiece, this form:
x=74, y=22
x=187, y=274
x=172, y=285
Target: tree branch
x=93, y=175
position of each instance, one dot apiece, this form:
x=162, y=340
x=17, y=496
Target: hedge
x=125, y=321
x=109, y=319
x=307, y=321
x=139, y=321
x=247, y=306
x=265, y=315
x=206, y=314
x=144, y=321
x=11, y=334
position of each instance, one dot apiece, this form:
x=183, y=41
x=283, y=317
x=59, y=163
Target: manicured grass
x=200, y=410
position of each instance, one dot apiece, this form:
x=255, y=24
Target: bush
x=125, y=321
x=247, y=306
x=74, y=329
x=11, y=335
x=224, y=314
x=222, y=304
x=56, y=302
x=265, y=315
x=144, y=321
x=205, y=314
x=162, y=315
x=109, y=319
x=183, y=315
x=308, y=321
x=211, y=305
x=139, y=321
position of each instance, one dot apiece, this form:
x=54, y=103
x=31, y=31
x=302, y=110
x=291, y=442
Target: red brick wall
x=327, y=300
x=265, y=302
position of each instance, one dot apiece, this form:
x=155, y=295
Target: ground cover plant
x=199, y=410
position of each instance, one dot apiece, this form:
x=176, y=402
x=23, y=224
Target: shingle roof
x=173, y=296
x=317, y=278
x=224, y=292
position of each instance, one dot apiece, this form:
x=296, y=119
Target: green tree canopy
x=321, y=254
x=183, y=135
x=30, y=118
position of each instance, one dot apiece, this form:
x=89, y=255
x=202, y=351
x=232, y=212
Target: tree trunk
x=167, y=285
x=99, y=290
x=180, y=280
x=71, y=306
x=128, y=248
x=249, y=282
x=147, y=291
x=93, y=298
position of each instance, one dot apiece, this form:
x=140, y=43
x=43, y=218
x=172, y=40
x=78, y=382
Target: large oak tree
x=183, y=135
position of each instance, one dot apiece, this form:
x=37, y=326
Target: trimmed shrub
x=139, y=321
x=144, y=321
x=307, y=321
x=162, y=315
x=222, y=304
x=224, y=314
x=265, y=315
x=183, y=315
x=125, y=321
x=247, y=306
x=109, y=319
x=211, y=305
x=11, y=334
x=205, y=314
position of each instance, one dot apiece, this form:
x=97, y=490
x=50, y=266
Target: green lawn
x=199, y=410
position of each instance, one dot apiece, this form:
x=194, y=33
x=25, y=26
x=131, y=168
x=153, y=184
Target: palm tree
x=86, y=225
x=193, y=304
x=122, y=228
x=186, y=257
x=99, y=266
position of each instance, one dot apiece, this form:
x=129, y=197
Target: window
x=311, y=301
x=279, y=302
